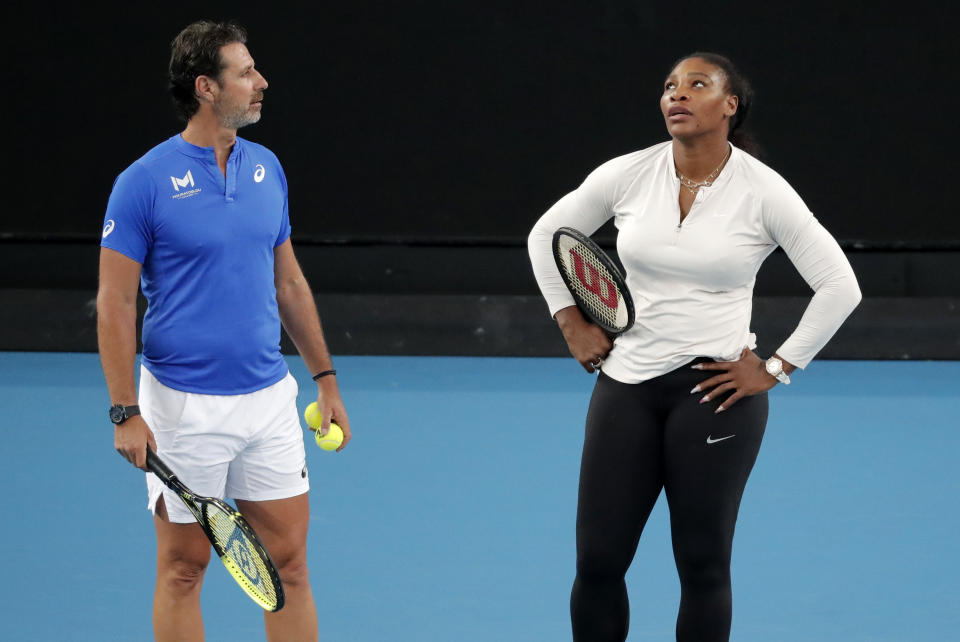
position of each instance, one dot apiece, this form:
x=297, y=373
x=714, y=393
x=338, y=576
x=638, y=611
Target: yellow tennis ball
x=312, y=415
x=314, y=419
x=331, y=440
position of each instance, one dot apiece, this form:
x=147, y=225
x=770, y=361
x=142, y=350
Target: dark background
x=421, y=141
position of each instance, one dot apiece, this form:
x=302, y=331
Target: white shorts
x=247, y=446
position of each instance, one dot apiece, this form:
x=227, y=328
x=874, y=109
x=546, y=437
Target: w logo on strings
x=186, y=181
x=590, y=277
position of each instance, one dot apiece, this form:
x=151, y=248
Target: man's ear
x=205, y=88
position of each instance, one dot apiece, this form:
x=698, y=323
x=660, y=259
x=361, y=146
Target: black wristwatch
x=120, y=413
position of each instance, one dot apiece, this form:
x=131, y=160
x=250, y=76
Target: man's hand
x=131, y=439
x=331, y=405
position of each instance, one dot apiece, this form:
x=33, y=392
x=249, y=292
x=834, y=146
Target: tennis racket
x=594, y=280
x=233, y=539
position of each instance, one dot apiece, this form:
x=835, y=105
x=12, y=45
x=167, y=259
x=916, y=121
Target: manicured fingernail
x=697, y=366
x=720, y=409
x=705, y=399
x=695, y=389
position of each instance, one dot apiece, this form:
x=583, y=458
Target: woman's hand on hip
x=588, y=343
x=745, y=377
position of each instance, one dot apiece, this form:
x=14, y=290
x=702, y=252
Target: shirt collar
x=205, y=153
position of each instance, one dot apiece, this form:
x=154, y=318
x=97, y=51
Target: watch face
x=774, y=366
x=117, y=414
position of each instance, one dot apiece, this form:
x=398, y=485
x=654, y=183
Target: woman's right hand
x=587, y=342
x=131, y=439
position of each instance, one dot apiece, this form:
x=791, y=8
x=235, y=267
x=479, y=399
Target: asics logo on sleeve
x=259, y=173
x=108, y=227
x=182, y=182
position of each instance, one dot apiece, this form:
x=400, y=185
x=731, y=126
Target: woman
x=681, y=404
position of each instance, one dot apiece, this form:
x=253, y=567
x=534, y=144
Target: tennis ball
x=312, y=415
x=314, y=419
x=331, y=440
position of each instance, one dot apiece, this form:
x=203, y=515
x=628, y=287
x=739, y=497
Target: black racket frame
x=618, y=279
x=196, y=504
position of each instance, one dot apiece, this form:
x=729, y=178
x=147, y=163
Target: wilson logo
x=186, y=181
x=593, y=281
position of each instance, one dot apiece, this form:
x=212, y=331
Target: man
x=201, y=223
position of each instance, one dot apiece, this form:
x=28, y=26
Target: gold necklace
x=693, y=185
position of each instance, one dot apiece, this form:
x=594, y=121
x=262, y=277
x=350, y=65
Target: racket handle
x=157, y=467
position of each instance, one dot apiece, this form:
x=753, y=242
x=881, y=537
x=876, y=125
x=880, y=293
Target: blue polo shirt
x=206, y=244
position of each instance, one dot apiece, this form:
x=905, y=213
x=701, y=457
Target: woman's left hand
x=747, y=376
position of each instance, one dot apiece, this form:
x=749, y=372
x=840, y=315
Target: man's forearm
x=298, y=313
x=117, y=341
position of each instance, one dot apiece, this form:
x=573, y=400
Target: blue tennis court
x=450, y=517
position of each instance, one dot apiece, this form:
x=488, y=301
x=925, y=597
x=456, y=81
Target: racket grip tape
x=158, y=467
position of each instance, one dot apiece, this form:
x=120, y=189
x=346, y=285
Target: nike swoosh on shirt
x=711, y=440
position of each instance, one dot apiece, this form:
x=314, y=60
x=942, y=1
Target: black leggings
x=641, y=438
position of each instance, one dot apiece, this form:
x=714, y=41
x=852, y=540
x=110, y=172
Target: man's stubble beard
x=235, y=116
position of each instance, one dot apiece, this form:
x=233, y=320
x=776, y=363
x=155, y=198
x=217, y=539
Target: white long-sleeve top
x=692, y=282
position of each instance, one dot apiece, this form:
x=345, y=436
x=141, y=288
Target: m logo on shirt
x=186, y=181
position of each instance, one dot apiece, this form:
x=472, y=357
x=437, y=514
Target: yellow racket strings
x=242, y=558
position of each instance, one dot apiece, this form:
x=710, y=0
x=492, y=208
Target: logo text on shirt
x=186, y=181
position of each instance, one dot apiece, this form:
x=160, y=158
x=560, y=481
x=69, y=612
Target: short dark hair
x=738, y=85
x=196, y=52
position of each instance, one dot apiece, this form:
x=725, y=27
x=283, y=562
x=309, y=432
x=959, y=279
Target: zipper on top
x=696, y=201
